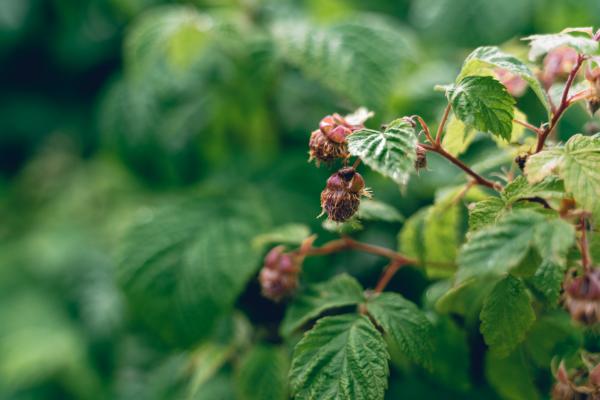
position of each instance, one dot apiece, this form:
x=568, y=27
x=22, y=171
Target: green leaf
x=458, y=137
x=542, y=44
x=405, y=326
x=483, y=102
x=342, y=357
x=543, y=164
x=548, y=281
x=293, y=234
x=497, y=248
x=452, y=361
x=484, y=59
x=410, y=238
x=553, y=240
x=485, y=212
x=186, y=266
x=549, y=188
x=577, y=163
x=372, y=210
x=511, y=376
x=356, y=58
x=342, y=228
x=506, y=315
x=391, y=152
x=553, y=335
x=442, y=237
x=262, y=374
x=581, y=171
x=340, y=291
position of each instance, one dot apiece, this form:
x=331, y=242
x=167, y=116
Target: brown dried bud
x=563, y=389
x=421, y=161
x=325, y=150
x=279, y=275
x=521, y=160
x=593, y=104
x=558, y=63
x=582, y=297
x=515, y=85
x=341, y=197
x=329, y=141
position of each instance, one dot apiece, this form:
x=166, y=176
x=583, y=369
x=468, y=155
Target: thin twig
x=584, y=246
x=438, y=135
x=564, y=104
x=388, y=274
x=527, y=125
x=425, y=129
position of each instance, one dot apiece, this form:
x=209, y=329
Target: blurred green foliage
x=188, y=120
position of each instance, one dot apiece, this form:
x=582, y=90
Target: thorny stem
x=562, y=107
x=583, y=245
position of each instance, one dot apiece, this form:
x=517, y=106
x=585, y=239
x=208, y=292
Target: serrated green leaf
x=485, y=212
x=340, y=291
x=187, y=265
x=543, y=164
x=511, y=376
x=405, y=326
x=292, y=234
x=542, y=44
x=410, y=240
x=441, y=237
x=373, y=210
x=391, y=152
x=466, y=298
x=482, y=59
x=483, y=102
x=498, y=248
x=506, y=315
x=457, y=137
x=356, y=58
x=548, y=281
x=581, y=171
x=553, y=240
x=262, y=374
x=549, y=188
x=342, y=357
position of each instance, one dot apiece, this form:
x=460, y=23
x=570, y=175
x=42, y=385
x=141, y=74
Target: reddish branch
x=565, y=102
x=397, y=260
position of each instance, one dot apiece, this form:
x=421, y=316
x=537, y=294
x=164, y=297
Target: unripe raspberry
x=341, y=197
x=558, y=63
x=582, y=297
x=279, y=275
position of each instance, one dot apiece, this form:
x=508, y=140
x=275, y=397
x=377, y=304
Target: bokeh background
x=112, y=110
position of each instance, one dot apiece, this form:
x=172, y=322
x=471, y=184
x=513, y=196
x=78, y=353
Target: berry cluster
x=279, y=276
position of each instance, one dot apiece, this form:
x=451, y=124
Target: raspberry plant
x=521, y=273
x=528, y=251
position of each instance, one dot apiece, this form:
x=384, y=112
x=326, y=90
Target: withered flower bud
x=563, y=389
x=558, y=63
x=593, y=99
x=521, y=160
x=329, y=141
x=341, y=197
x=515, y=85
x=582, y=297
x=421, y=161
x=279, y=275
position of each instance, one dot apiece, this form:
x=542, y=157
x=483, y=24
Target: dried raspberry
x=279, y=275
x=593, y=99
x=582, y=297
x=341, y=197
x=558, y=63
x=421, y=161
x=329, y=141
x=515, y=85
